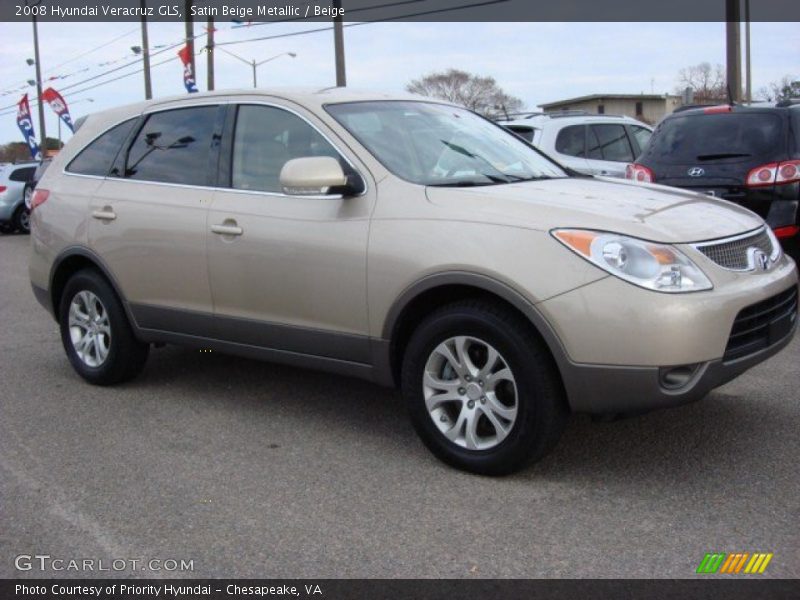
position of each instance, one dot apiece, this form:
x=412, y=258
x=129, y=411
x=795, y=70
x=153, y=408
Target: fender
x=100, y=264
x=382, y=356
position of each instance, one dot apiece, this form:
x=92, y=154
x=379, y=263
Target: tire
x=6, y=228
x=522, y=389
x=22, y=219
x=90, y=306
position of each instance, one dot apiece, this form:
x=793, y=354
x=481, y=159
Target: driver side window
x=265, y=138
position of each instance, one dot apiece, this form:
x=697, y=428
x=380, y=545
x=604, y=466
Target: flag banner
x=188, y=76
x=59, y=106
x=26, y=127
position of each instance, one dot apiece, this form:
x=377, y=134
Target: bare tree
x=481, y=94
x=707, y=81
x=784, y=89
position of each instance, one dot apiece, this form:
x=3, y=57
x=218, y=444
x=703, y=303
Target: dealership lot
x=252, y=469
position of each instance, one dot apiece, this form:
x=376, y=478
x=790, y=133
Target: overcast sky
x=538, y=62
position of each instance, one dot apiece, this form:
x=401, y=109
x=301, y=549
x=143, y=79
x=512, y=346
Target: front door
x=287, y=272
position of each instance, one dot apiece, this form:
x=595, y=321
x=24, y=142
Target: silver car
x=590, y=144
x=14, y=214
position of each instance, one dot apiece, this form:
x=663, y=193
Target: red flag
x=185, y=55
x=59, y=106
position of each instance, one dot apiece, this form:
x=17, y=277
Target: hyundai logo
x=759, y=259
x=696, y=172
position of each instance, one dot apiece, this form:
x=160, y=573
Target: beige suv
x=405, y=241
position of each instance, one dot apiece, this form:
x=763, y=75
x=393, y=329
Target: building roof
x=605, y=97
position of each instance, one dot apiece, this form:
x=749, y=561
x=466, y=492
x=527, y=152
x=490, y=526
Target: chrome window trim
x=89, y=143
x=227, y=189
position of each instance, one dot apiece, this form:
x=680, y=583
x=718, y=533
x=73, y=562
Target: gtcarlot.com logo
x=734, y=563
x=46, y=562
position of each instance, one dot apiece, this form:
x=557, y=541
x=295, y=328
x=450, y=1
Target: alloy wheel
x=89, y=328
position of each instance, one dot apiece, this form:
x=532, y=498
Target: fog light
x=675, y=378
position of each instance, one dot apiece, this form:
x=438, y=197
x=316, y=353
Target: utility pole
x=210, y=53
x=148, y=86
x=42, y=131
x=190, y=35
x=733, y=50
x=338, y=45
x=748, y=84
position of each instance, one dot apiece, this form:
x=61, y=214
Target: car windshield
x=709, y=137
x=436, y=144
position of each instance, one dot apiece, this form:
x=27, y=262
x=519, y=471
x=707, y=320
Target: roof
x=570, y=119
x=309, y=97
x=607, y=97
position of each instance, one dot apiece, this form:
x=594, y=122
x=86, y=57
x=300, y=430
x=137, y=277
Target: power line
x=387, y=19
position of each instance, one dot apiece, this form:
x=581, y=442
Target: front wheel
x=95, y=331
x=482, y=391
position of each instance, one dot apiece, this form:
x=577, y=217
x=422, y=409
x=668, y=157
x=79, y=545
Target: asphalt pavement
x=249, y=469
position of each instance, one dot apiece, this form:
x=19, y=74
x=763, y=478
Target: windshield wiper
x=723, y=155
x=463, y=183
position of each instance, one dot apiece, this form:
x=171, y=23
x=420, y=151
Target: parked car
x=590, y=144
x=749, y=155
x=13, y=212
x=37, y=176
x=406, y=241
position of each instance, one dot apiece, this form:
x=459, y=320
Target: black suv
x=749, y=155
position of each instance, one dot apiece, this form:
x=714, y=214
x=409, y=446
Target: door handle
x=106, y=214
x=227, y=229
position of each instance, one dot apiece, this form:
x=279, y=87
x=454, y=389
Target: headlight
x=650, y=265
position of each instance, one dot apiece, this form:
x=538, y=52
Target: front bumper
x=604, y=389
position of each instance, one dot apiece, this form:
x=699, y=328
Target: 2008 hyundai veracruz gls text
x=406, y=241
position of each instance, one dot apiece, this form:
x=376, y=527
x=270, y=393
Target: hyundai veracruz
x=406, y=241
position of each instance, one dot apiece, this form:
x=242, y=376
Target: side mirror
x=312, y=176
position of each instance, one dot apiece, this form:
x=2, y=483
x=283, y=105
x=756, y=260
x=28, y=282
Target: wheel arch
x=69, y=262
x=431, y=292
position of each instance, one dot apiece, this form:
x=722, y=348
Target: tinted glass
x=436, y=144
x=572, y=141
x=725, y=136
x=174, y=147
x=525, y=133
x=642, y=135
x=97, y=157
x=609, y=142
x=23, y=174
x=265, y=139
x=795, y=112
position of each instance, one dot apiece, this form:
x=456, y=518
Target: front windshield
x=436, y=144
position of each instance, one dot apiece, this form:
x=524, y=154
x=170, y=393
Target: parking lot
x=252, y=469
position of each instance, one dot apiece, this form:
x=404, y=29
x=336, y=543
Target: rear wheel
x=95, y=331
x=481, y=390
x=22, y=219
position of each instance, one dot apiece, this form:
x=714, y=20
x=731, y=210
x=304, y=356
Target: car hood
x=652, y=212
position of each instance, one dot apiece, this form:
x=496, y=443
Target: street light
x=253, y=63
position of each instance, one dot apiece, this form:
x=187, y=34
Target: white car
x=591, y=144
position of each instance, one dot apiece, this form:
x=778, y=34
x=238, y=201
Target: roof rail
x=518, y=115
x=583, y=113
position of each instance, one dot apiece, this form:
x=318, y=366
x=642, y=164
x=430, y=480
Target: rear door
x=148, y=219
x=713, y=153
x=608, y=149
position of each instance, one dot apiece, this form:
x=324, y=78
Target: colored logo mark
x=741, y=562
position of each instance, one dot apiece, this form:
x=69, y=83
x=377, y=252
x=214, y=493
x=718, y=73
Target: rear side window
x=174, y=146
x=642, y=135
x=609, y=142
x=572, y=141
x=733, y=137
x=266, y=138
x=97, y=157
x=23, y=174
x=525, y=133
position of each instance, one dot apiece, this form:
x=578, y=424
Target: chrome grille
x=733, y=253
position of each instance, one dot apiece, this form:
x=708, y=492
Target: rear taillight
x=786, y=232
x=774, y=174
x=639, y=173
x=3, y=188
x=39, y=197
